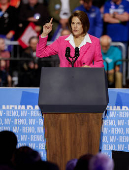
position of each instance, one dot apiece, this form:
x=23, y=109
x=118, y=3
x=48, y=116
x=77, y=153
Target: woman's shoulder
x=62, y=38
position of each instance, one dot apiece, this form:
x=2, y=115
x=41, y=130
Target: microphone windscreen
x=67, y=52
x=76, y=51
x=68, y=49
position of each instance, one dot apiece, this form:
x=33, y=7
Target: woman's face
x=77, y=28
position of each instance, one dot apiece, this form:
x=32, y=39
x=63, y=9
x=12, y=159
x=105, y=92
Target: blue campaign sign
x=115, y=130
x=19, y=112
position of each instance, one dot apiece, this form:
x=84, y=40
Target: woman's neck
x=78, y=40
x=79, y=36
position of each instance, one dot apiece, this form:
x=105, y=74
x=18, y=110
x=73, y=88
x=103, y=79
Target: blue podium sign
x=115, y=130
x=19, y=112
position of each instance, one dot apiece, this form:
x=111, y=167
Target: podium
x=72, y=101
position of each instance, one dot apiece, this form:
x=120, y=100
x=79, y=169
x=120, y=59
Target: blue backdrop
x=19, y=112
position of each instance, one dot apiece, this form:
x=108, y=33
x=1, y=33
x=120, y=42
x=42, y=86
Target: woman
x=89, y=46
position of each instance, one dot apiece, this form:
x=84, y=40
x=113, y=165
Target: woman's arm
x=98, y=60
x=42, y=49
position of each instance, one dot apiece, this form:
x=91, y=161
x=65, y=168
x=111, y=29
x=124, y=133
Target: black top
x=8, y=20
x=99, y=3
x=27, y=11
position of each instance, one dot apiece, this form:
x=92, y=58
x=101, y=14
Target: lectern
x=72, y=101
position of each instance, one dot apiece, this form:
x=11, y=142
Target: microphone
x=76, y=52
x=67, y=52
x=67, y=55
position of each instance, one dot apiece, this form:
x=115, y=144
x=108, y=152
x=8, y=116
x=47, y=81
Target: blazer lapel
x=84, y=49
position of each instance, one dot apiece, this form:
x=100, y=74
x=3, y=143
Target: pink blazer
x=90, y=54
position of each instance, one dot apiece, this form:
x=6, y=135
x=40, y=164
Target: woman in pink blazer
x=89, y=46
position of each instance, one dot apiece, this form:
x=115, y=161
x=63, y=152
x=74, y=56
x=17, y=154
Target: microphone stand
x=73, y=58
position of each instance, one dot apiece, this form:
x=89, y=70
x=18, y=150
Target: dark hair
x=8, y=143
x=83, y=162
x=24, y=156
x=87, y=1
x=83, y=18
x=33, y=37
x=41, y=165
x=6, y=167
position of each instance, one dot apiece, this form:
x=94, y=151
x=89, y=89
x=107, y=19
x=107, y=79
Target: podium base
x=71, y=135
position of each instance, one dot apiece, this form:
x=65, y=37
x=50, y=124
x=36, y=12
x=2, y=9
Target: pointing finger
x=51, y=21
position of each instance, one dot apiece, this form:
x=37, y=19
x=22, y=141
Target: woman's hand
x=47, y=28
x=85, y=66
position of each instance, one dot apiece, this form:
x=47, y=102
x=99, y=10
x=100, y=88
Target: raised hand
x=47, y=28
